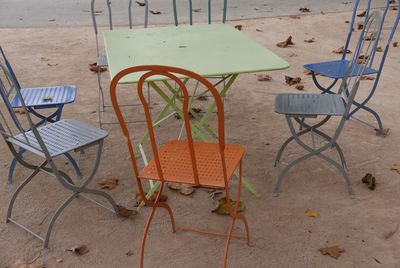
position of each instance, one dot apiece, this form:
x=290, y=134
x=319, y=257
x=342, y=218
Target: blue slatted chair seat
x=36, y=97
x=336, y=69
x=60, y=137
x=309, y=104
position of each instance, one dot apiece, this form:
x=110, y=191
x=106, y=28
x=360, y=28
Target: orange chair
x=184, y=161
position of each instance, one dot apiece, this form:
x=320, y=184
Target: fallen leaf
x=362, y=14
x=196, y=9
x=94, y=68
x=384, y=133
x=222, y=208
x=20, y=111
x=285, y=43
x=360, y=26
x=51, y=20
x=141, y=4
x=59, y=260
x=295, y=17
x=124, y=212
x=366, y=77
x=25, y=264
x=379, y=49
x=155, y=12
x=79, y=250
x=202, y=98
x=362, y=59
x=258, y=30
x=391, y=233
x=300, y=87
x=129, y=253
x=307, y=72
x=98, y=11
x=174, y=186
x=292, y=80
x=215, y=193
x=264, y=77
x=396, y=167
x=239, y=27
x=395, y=44
x=371, y=36
x=47, y=99
x=44, y=59
x=163, y=198
x=334, y=251
x=311, y=40
x=52, y=64
x=340, y=50
x=395, y=8
x=346, y=21
x=377, y=260
x=110, y=183
x=304, y=10
x=370, y=180
x=291, y=55
x=311, y=213
x=183, y=189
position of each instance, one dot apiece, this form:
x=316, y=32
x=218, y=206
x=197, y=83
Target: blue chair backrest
x=9, y=67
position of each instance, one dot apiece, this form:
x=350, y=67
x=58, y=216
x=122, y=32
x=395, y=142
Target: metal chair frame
x=347, y=92
x=362, y=105
x=102, y=59
x=175, y=10
x=33, y=142
x=54, y=117
x=169, y=72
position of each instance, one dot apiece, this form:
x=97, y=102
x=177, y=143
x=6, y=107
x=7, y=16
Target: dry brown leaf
x=395, y=8
x=19, y=111
x=307, y=72
x=129, y=253
x=286, y=43
x=362, y=14
x=174, y=186
x=196, y=9
x=222, y=208
x=124, y=212
x=396, y=167
x=258, y=30
x=110, y=183
x=186, y=189
x=79, y=250
x=295, y=17
x=163, y=198
x=202, y=98
x=264, y=77
x=366, y=77
x=370, y=181
x=292, y=80
x=155, y=12
x=25, y=264
x=140, y=3
x=239, y=27
x=300, y=87
x=311, y=213
x=311, y=40
x=291, y=55
x=395, y=44
x=340, y=50
x=94, y=68
x=346, y=21
x=334, y=251
x=360, y=26
x=379, y=49
x=384, y=133
x=304, y=10
x=391, y=233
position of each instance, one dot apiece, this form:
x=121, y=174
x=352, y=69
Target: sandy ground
x=282, y=236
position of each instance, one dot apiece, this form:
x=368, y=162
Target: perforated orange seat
x=177, y=167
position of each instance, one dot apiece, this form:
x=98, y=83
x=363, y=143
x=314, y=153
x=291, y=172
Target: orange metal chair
x=184, y=161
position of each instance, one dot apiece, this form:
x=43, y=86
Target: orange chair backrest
x=170, y=72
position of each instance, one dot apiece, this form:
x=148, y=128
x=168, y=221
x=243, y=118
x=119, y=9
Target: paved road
x=39, y=13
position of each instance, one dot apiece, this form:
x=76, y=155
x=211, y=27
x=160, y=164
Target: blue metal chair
x=336, y=70
x=296, y=107
x=209, y=11
x=38, y=99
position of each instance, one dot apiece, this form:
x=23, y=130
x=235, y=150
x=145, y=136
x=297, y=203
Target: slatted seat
x=177, y=166
x=46, y=96
x=309, y=104
x=60, y=137
x=337, y=69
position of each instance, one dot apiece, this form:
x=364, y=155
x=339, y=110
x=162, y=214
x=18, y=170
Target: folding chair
x=183, y=161
x=209, y=11
x=101, y=60
x=47, y=142
x=298, y=106
x=41, y=99
x=336, y=70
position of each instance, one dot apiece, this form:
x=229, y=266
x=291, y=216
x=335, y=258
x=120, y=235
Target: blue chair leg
x=13, y=165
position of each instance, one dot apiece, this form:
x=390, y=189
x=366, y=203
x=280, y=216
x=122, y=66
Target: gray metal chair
x=298, y=106
x=209, y=11
x=47, y=142
x=101, y=59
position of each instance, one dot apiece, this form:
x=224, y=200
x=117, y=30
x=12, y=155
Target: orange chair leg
x=228, y=241
x=146, y=230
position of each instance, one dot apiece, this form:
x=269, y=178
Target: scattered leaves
x=94, y=68
x=258, y=30
x=25, y=264
x=52, y=20
x=264, y=77
x=125, y=212
x=129, y=253
x=307, y=72
x=110, y=183
x=79, y=250
x=203, y=98
x=375, y=259
x=362, y=14
x=47, y=99
x=295, y=17
x=19, y=111
x=396, y=167
x=366, y=77
x=286, y=43
x=311, y=213
x=140, y=3
x=291, y=55
x=391, y=233
x=395, y=44
x=304, y=10
x=370, y=181
x=300, y=87
x=292, y=80
x=222, y=208
x=340, y=50
x=362, y=59
x=360, y=26
x=44, y=59
x=346, y=21
x=196, y=10
x=163, y=198
x=311, y=40
x=183, y=189
x=384, y=133
x=379, y=49
x=395, y=8
x=334, y=251
x=238, y=27
x=155, y=12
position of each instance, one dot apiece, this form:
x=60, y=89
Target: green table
x=207, y=49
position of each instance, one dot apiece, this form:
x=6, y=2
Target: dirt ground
x=282, y=235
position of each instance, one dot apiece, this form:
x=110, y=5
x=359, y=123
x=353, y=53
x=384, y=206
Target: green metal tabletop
x=207, y=49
